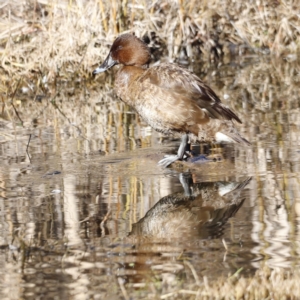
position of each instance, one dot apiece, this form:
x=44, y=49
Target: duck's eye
x=119, y=48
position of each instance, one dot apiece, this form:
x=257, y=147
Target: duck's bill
x=107, y=64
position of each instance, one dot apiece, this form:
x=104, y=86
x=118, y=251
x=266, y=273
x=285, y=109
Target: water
x=86, y=213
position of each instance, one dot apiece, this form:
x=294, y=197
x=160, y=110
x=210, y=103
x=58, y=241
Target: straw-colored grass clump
x=266, y=284
x=58, y=38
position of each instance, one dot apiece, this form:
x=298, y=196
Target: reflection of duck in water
x=200, y=211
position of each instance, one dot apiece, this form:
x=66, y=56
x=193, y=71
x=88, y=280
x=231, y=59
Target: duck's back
x=172, y=99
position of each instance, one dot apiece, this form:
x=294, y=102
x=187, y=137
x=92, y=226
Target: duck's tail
x=230, y=133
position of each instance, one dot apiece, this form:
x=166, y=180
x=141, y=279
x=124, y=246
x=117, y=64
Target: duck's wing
x=182, y=82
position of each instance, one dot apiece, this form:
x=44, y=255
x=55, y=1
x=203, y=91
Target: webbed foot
x=169, y=159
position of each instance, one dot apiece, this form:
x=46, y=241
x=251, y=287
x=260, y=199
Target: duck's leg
x=180, y=153
x=186, y=182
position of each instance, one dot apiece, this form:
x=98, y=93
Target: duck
x=169, y=98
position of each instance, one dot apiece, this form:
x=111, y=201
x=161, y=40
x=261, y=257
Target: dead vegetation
x=266, y=284
x=62, y=39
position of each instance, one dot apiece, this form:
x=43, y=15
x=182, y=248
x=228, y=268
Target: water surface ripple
x=86, y=212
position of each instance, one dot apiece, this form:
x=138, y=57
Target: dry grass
x=266, y=284
x=57, y=39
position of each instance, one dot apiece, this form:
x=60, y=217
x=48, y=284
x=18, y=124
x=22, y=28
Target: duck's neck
x=125, y=78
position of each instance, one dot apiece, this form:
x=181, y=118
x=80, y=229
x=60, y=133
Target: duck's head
x=127, y=50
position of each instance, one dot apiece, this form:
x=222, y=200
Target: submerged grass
x=61, y=39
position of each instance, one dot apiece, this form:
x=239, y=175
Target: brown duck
x=169, y=98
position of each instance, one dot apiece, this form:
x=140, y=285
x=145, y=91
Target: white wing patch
x=221, y=137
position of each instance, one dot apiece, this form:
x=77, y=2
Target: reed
x=62, y=39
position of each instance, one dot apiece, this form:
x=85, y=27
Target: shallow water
x=86, y=212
